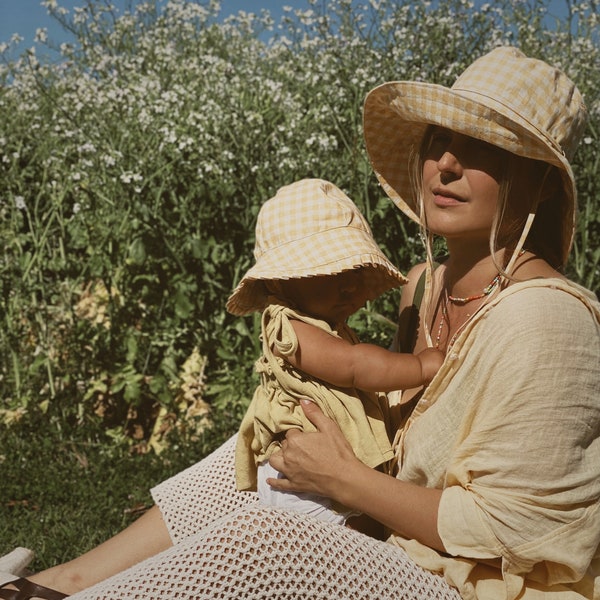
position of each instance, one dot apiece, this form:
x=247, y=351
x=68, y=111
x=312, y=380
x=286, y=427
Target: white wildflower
x=87, y=147
x=129, y=176
x=41, y=35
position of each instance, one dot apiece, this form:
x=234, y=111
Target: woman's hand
x=324, y=463
x=312, y=462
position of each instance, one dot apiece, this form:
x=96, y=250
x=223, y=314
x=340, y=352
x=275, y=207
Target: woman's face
x=461, y=184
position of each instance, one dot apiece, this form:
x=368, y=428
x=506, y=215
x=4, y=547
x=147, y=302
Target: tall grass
x=133, y=168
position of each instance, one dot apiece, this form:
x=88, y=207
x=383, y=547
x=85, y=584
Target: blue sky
x=25, y=16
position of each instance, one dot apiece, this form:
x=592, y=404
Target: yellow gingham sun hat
x=520, y=104
x=311, y=228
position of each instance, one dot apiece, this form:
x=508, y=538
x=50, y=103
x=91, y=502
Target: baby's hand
x=431, y=360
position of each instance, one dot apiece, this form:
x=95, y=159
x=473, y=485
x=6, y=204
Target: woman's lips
x=444, y=198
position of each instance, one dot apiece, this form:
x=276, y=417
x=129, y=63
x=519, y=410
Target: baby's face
x=332, y=298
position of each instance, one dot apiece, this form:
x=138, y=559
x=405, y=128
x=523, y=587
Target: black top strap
x=408, y=321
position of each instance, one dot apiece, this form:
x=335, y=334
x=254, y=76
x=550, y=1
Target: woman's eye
x=481, y=147
x=438, y=142
x=441, y=137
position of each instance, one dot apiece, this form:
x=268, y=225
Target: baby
x=316, y=264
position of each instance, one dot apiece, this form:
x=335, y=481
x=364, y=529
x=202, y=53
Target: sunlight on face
x=461, y=184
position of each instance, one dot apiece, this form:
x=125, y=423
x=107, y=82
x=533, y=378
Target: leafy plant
x=133, y=168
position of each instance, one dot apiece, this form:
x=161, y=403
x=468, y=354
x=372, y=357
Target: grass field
x=62, y=495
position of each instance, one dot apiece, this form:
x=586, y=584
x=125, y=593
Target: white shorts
x=318, y=507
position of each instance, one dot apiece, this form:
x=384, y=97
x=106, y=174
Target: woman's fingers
x=318, y=418
x=331, y=434
x=314, y=414
x=309, y=462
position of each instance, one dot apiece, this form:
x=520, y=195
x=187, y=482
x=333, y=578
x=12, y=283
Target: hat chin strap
x=517, y=251
x=527, y=227
x=428, y=296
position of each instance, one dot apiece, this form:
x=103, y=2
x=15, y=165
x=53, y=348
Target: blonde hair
x=535, y=223
x=514, y=224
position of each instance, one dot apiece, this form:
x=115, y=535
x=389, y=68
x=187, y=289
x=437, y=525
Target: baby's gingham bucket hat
x=311, y=228
x=520, y=104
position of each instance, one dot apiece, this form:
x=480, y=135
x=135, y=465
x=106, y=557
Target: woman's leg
x=261, y=552
x=145, y=537
x=186, y=503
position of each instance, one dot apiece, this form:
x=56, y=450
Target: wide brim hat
x=308, y=229
x=520, y=104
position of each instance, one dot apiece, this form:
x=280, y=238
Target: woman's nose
x=449, y=163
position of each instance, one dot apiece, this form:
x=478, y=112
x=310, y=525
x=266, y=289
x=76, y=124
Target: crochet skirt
x=227, y=546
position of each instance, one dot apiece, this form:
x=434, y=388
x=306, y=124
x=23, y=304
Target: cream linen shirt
x=510, y=430
x=275, y=407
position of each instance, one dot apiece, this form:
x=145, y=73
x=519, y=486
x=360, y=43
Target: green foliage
x=133, y=168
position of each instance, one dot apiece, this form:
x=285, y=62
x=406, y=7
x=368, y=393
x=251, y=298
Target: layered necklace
x=487, y=290
x=459, y=301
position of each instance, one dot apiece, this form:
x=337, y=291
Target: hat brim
x=289, y=262
x=397, y=114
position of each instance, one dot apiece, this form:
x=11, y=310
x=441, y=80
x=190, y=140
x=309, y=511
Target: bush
x=133, y=169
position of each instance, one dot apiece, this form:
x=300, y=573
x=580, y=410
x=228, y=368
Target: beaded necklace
x=446, y=318
x=438, y=337
x=487, y=290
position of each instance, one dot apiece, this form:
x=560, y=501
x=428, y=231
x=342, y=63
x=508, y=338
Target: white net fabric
x=196, y=497
x=226, y=546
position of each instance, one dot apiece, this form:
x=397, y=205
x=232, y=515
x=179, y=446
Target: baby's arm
x=364, y=366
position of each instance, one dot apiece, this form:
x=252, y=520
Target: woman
x=498, y=475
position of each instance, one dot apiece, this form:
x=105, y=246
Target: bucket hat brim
x=397, y=114
x=326, y=249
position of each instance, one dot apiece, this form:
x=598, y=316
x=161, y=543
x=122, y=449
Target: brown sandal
x=27, y=590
